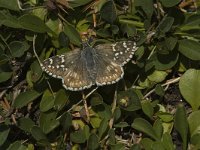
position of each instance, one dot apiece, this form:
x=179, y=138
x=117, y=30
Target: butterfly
x=99, y=65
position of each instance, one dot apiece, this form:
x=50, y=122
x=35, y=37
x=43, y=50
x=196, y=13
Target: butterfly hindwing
x=69, y=67
x=120, y=52
x=108, y=72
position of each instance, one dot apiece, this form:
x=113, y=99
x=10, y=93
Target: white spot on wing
x=116, y=54
x=124, y=44
x=51, y=61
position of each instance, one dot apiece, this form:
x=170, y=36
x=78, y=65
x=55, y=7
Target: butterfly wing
x=71, y=68
x=120, y=52
x=108, y=72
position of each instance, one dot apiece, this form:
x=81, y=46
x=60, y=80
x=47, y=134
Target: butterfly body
x=99, y=65
x=89, y=54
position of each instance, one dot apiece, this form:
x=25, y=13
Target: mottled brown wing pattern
x=119, y=52
x=100, y=65
x=69, y=67
x=108, y=72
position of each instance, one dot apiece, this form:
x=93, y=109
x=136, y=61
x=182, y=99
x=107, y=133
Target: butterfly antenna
x=34, y=38
x=36, y=55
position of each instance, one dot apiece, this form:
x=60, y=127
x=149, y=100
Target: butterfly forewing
x=69, y=67
x=120, y=52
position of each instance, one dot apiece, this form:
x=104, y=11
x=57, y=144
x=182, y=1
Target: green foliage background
x=155, y=106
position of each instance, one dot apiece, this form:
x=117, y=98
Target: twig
x=135, y=81
x=3, y=92
x=82, y=100
x=151, y=53
x=186, y=3
x=85, y=106
x=165, y=84
x=13, y=119
x=113, y=109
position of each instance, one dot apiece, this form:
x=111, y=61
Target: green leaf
x=135, y=147
x=17, y=146
x=78, y=3
x=157, y=76
x=170, y=3
x=4, y=131
x=181, y=124
x=72, y=33
x=147, y=6
x=18, y=48
x=47, y=101
x=117, y=113
x=93, y=142
x=108, y=12
x=121, y=125
x=164, y=26
x=78, y=136
x=103, y=127
x=95, y=121
x=66, y=121
x=114, y=29
x=158, y=146
x=192, y=23
x=86, y=130
x=103, y=110
x=4, y=76
x=128, y=29
x=158, y=128
x=9, y=20
x=103, y=33
x=190, y=49
x=142, y=125
x=48, y=121
x=96, y=100
x=159, y=90
x=165, y=117
x=33, y=23
x=63, y=40
x=53, y=25
x=36, y=71
x=118, y=146
x=12, y=5
x=165, y=61
x=147, y=143
x=128, y=100
x=194, y=123
x=26, y=97
x=61, y=99
x=195, y=142
x=167, y=45
x=147, y=108
x=38, y=134
x=167, y=141
x=111, y=136
x=189, y=87
x=25, y=124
